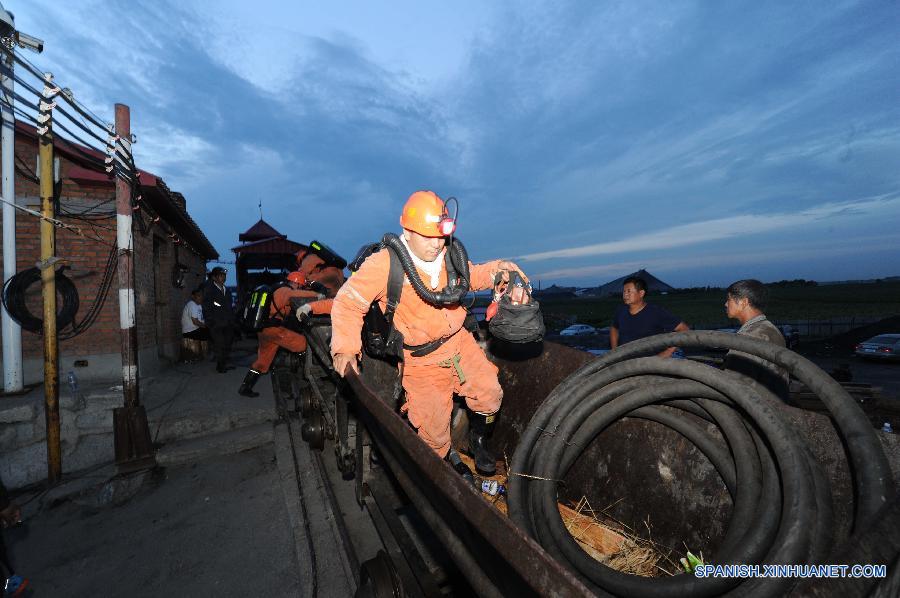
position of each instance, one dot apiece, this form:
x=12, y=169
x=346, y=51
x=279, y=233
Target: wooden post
x=134, y=448
x=48, y=286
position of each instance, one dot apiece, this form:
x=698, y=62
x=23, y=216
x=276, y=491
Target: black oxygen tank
x=256, y=312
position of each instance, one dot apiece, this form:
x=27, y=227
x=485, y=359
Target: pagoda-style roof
x=259, y=231
x=272, y=245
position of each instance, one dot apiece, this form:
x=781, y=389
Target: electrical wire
x=56, y=222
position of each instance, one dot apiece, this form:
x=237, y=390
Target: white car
x=883, y=346
x=578, y=329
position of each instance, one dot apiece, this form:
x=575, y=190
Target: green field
x=706, y=307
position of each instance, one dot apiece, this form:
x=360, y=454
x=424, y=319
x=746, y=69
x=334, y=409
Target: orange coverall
x=276, y=336
x=314, y=268
x=431, y=380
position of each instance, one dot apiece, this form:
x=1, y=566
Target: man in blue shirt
x=638, y=319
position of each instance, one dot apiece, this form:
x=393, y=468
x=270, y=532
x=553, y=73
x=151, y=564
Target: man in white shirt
x=192, y=325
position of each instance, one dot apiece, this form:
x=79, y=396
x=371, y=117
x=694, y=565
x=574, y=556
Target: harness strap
x=426, y=348
x=394, y=286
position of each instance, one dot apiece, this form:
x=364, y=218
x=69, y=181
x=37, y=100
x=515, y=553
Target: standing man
x=744, y=302
x=440, y=358
x=219, y=317
x=277, y=335
x=638, y=319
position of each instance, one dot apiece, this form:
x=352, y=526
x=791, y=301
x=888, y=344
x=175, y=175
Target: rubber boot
x=246, y=388
x=461, y=468
x=480, y=428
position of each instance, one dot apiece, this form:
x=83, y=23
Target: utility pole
x=12, y=332
x=47, y=266
x=134, y=448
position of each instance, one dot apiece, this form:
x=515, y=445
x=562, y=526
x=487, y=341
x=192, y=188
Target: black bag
x=519, y=322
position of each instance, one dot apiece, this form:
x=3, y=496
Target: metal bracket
x=49, y=262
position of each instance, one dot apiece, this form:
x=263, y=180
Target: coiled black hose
x=14, y=299
x=453, y=293
x=782, y=504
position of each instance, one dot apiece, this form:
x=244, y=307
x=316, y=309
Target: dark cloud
x=568, y=124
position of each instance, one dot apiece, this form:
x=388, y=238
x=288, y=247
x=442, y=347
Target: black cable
x=33, y=104
x=125, y=153
x=8, y=72
x=90, y=213
x=85, y=112
x=27, y=174
x=81, y=125
x=25, y=116
x=34, y=70
x=23, y=62
x=100, y=300
x=85, y=145
x=14, y=299
x=782, y=503
x=31, y=173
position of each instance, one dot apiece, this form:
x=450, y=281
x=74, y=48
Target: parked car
x=791, y=335
x=577, y=330
x=883, y=346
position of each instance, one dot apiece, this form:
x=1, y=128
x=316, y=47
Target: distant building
x=556, y=291
x=264, y=256
x=614, y=287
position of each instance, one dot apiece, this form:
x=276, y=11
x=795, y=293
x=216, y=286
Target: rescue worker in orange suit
x=317, y=270
x=273, y=337
x=458, y=365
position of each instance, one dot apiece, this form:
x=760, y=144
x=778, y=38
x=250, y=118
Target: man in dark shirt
x=219, y=317
x=638, y=319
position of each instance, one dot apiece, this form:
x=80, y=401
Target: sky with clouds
x=703, y=141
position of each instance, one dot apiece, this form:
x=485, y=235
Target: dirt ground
x=214, y=528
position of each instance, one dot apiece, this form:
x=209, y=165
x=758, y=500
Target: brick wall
x=158, y=302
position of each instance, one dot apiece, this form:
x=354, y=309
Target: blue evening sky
x=704, y=141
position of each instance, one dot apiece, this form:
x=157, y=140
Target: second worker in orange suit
x=274, y=336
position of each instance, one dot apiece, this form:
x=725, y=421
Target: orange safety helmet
x=297, y=277
x=425, y=213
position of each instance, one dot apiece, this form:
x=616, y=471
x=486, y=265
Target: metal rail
x=495, y=556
